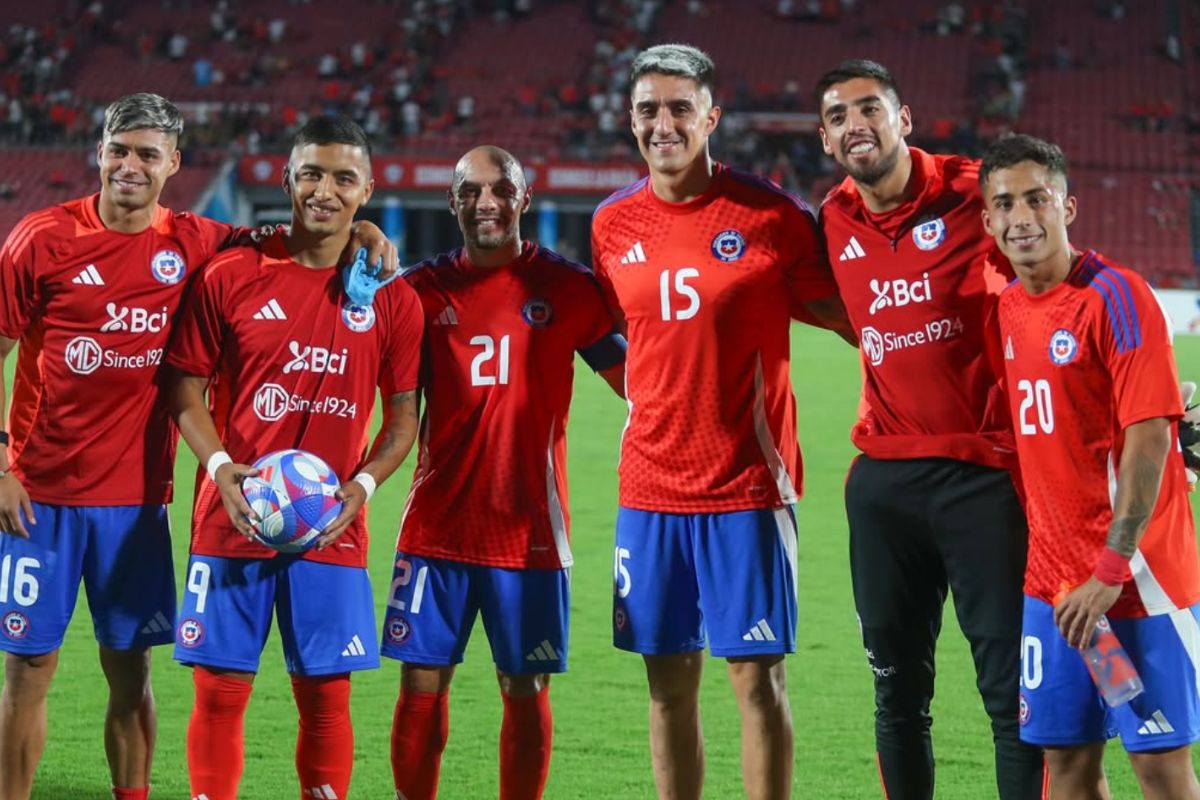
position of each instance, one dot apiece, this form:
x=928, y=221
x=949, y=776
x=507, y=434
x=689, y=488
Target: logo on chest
x=168, y=267
x=1063, y=347
x=728, y=245
x=359, y=319
x=898, y=293
x=537, y=313
x=313, y=358
x=929, y=235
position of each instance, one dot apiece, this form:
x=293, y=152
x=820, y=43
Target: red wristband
x=1113, y=568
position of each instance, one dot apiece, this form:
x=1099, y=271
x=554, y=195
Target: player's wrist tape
x=1113, y=568
x=215, y=462
x=365, y=480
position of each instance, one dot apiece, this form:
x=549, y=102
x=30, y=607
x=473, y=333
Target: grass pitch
x=600, y=744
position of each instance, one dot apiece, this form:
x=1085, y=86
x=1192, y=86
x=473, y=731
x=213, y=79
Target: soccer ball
x=293, y=496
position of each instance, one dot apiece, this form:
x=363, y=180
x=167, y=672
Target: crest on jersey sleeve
x=359, y=319
x=929, y=235
x=168, y=266
x=728, y=245
x=537, y=313
x=1063, y=347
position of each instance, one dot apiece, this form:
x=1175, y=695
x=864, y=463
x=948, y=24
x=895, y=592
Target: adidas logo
x=852, y=251
x=89, y=276
x=158, y=624
x=272, y=310
x=447, y=317
x=1008, y=350
x=543, y=652
x=760, y=632
x=355, y=648
x=1157, y=723
x=322, y=792
x=636, y=255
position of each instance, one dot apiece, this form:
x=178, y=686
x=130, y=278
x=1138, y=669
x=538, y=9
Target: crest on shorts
x=191, y=632
x=537, y=313
x=1023, y=712
x=1063, y=347
x=168, y=267
x=397, y=629
x=928, y=235
x=728, y=245
x=619, y=619
x=16, y=625
x=359, y=319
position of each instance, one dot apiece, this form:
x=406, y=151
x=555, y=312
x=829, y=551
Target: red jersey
x=1085, y=360
x=92, y=309
x=707, y=288
x=491, y=482
x=919, y=287
x=294, y=364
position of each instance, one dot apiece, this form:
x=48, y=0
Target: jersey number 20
x=1036, y=395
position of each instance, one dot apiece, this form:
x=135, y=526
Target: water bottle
x=1110, y=667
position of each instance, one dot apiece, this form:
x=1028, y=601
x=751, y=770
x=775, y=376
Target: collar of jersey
x=528, y=249
x=90, y=220
x=686, y=207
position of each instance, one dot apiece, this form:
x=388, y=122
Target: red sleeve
x=606, y=287
x=400, y=360
x=200, y=332
x=1136, y=338
x=20, y=289
x=805, y=266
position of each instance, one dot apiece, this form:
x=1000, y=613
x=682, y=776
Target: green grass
x=600, y=748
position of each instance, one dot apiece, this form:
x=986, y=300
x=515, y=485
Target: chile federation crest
x=728, y=245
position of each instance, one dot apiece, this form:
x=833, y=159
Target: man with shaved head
x=485, y=528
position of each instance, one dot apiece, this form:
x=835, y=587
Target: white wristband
x=215, y=462
x=365, y=480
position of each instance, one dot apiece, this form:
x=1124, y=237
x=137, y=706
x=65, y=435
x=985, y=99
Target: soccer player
x=930, y=502
x=289, y=363
x=1094, y=398
x=707, y=265
x=485, y=530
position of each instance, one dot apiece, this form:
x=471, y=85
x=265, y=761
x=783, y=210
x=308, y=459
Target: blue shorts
x=325, y=612
x=681, y=580
x=123, y=556
x=1060, y=706
x=433, y=602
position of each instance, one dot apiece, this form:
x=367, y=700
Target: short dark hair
x=857, y=68
x=332, y=129
x=680, y=60
x=1012, y=149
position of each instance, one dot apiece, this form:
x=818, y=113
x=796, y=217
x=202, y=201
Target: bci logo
x=899, y=293
x=134, y=320
x=310, y=358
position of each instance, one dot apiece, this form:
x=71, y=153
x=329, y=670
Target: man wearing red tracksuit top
x=931, y=503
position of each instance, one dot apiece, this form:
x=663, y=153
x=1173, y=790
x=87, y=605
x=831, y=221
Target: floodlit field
x=600, y=748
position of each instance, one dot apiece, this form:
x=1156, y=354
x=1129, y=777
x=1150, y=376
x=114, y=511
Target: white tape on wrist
x=365, y=480
x=215, y=462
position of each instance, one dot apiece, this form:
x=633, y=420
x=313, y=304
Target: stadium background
x=1116, y=83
